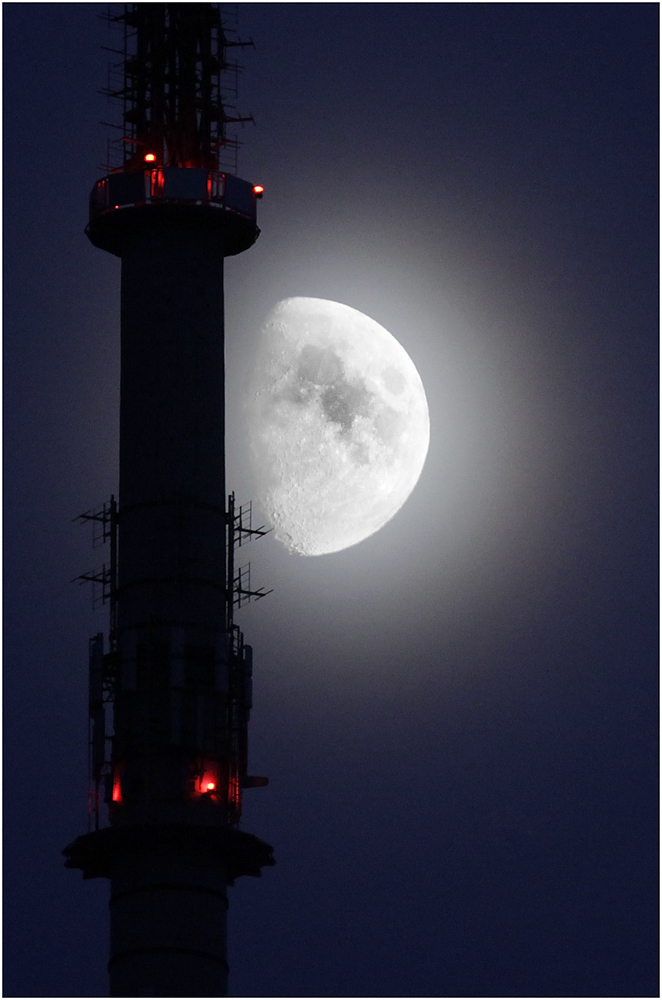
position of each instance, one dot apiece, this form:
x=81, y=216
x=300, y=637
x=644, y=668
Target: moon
x=338, y=425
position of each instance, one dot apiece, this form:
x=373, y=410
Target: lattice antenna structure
x=241, y=531
x=175, y=84
x=104, y=521
x=102, y=664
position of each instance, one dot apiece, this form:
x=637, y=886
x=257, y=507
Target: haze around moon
x=337, y=422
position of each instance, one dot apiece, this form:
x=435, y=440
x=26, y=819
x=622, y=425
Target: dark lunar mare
x=341, y=399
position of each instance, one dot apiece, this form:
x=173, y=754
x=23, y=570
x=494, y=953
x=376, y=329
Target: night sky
x=459, y=715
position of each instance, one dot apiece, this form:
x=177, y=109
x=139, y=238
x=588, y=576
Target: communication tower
x=170, y=686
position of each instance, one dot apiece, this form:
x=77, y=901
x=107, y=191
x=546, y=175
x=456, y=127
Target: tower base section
x=168, y=902
x=168, y=916
x=167, y=973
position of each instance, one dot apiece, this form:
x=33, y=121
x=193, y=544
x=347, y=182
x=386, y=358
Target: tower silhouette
x=170, y=687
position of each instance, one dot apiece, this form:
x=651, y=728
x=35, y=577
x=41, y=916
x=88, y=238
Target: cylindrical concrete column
x=172, y=469
x=167, y=926
x=168, y=909
x=176, y=667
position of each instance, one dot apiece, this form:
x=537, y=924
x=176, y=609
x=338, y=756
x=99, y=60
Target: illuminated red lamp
x=207, y=781
x=150, y=157
x=117, y=788
x=258, y=190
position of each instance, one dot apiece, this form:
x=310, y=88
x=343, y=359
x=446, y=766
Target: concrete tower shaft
x=172, y=720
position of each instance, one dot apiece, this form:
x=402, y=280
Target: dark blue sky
x=459, y=715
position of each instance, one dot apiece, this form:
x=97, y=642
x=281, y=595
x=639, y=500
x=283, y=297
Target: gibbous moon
x=338, y=425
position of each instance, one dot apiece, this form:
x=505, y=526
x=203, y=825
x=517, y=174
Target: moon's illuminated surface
x=338, y=425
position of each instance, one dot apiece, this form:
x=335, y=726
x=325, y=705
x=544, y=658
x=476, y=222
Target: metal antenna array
x=104, y=579
x=102, y=665
x=175, y=85
x=241, y=531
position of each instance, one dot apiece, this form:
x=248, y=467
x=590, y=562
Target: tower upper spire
x=173, y=97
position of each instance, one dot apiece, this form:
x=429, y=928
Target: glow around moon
x=337, y=422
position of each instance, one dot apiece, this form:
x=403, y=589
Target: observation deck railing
x=174, y=185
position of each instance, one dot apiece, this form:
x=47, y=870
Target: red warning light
x=150, y=157
x=117, y=788
x=258, y=190
x=208, y=780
